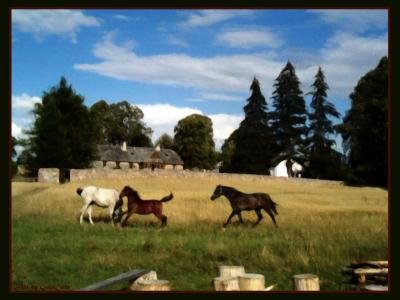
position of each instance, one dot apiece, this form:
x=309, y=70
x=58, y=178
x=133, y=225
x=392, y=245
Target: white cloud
x=24, y=101
x=225, y=72
x=22, y=116
x=174, y=40
x=223, y=126
x=220, y=97
x=16, y=131
x=250, y=38
x=41, y=22
x=210, y=17
x=122, y=17
x=162, y=118
x=354, y=20
x=344, y=58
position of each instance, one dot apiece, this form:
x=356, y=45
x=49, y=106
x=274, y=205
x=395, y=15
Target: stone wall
x=49, y=175
x=85, y=174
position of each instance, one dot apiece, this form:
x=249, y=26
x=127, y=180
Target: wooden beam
x=128, y=276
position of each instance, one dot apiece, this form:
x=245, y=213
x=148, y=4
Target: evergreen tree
x=365, y=128
x=194, y=142
x=324, y=161
x=289, y=117
x=63, y=134
x=249, y=148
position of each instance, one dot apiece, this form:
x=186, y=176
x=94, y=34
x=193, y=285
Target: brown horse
x=241, y=201
x=143, y=207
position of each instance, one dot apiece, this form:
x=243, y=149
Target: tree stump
x=226, y=284
x=306, y=282
x=152, y=285
x=251, y=282
x=231, y=271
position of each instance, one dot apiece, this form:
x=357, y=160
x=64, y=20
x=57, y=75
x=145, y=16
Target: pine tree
x=365, y=128
x=248, y=149
x=324, y=161
x=289, y=117
x=63, y=135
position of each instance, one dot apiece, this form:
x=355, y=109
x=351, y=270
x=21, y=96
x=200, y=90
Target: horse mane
x=133, y=192
x=230, y=189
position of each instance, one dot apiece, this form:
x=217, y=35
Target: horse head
x=218, y=192
x=125, y=191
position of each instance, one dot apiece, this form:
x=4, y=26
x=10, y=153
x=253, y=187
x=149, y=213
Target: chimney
x=123, y=148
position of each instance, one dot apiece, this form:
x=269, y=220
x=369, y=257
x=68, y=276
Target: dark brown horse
x=241, y=201
x=143, y=207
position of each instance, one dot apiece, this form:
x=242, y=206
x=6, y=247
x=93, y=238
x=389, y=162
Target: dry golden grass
x=322, y=227
x=297, y=199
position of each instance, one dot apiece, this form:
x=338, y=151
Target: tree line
x=65, y=132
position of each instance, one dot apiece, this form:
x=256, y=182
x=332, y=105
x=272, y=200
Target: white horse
x=105, y=198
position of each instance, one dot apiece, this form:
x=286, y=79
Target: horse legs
x=161, y=217
x=89, y=211
x=240, y=217
x=230, y=217
x=126, y=218
x=83, y=211
x=259, y=215
x=272, y=217
x=111, y=210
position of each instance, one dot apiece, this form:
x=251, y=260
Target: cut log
x=375, y=287
x=383, y=271
x=152, y=275
x=251, y=282
x=305, y=282
x=367, y=263
x=226, y=284
x=231, y=271
x=153, y=285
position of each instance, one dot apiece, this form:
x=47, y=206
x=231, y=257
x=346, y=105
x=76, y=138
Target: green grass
x=321, y=229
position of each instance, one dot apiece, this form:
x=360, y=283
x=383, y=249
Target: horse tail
x=273, y=206
x=79, y=191
x=167, y=198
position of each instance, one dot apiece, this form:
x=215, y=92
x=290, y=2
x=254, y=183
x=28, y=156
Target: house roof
x=138, y=154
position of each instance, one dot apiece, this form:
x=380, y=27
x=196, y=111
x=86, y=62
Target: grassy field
x=322, y=227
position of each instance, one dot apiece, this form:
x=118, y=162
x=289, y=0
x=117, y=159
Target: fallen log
x=364, y=271
x=152, y=275
x=153, y=285
x=130, y=275
x=375, y=287
x=369, y=263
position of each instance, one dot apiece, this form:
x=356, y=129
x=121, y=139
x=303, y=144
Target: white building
x=280, y=170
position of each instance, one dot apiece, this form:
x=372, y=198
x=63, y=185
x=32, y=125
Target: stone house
x=123, y=157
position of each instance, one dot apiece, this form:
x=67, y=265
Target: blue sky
x=172, y=63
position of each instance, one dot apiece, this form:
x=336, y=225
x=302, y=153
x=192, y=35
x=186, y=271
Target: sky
x=175, y=62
